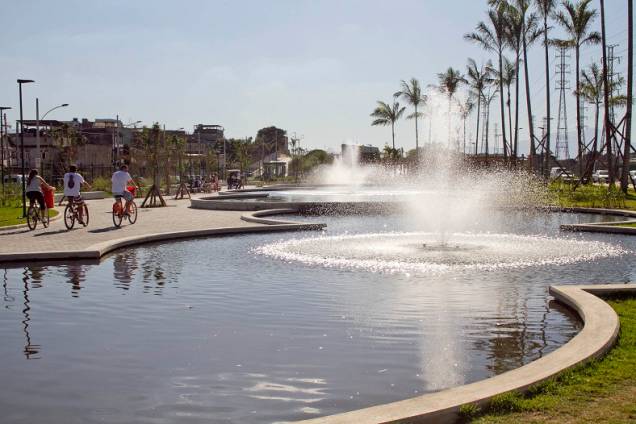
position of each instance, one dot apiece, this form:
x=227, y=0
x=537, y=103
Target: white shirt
x=120, y=181
x=77, y=182
x=34, y=185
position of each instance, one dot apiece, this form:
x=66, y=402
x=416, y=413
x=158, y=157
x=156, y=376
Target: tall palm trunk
x=393, y=134
x=417, y=145
x=579, y=127
x=516, y=139
x=628, y=112
x=501, y=103
x=546, y=49
x=509, y=115
x=478, y=116
x=597, y=105
x=533, y=150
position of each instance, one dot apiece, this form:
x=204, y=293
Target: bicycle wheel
x=69, y=217
x=86, y=217
x=117, y=215
x=45, y=217
x=32, y=218
x=132, y=216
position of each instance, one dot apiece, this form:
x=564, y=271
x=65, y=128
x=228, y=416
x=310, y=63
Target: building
x=359, y=153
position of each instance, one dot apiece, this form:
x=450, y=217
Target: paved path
x=176, y=217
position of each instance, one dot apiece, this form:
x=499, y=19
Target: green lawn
x=600, y=392
x=592, y=196
x=630, y=225
x=13, y=215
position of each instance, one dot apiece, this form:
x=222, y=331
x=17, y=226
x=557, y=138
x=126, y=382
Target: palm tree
x=546, y=8
x=514, y=34
x=522, y=32
x=488, y=95
x=412, y=92
x=507, y=78
x=492, y=38
x=477, y=80
x=576, y=21
x=466, y=108
x=592, y=91
x=386, y=114
x=448, y=83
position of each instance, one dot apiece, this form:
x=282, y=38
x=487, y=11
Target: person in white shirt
x=72, y=185
x=121, y=179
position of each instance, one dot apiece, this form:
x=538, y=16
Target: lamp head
x=24, y=81
x=64, y=105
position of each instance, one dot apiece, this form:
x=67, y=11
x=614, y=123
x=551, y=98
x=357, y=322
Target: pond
x=268, y=328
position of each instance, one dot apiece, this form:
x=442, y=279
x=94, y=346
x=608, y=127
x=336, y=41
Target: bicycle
x=119, y=213
x=71, y=214
x=33, y=216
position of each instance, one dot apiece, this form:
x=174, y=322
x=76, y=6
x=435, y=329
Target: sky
x=315, y=68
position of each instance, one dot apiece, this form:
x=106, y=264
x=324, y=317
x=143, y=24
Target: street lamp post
x=20, y=82
x=2, y=120
x=38, y=155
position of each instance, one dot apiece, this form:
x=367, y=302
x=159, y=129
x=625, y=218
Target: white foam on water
x=420, y=253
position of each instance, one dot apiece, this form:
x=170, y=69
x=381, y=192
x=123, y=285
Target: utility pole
x=3, y=122
x=562, y=85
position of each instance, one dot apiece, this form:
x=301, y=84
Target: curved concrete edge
x=599, y=211
x=614, y=228
x=600, y=331
x=256, y=217
x=96, y=251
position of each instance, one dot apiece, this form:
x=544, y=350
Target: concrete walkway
x=177, y=220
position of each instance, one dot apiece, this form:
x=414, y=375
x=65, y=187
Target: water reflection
x=31, y=350
x=7, y=298
x=76, y=275
x=161, y=267
x=125, y=265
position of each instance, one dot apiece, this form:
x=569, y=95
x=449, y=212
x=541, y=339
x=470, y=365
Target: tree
x=68, y=139
x=412, y=93
x=391, y=154
x=592, y=91
x=448, y=83
x=386, y=114
x=506, y=78
x=487, y=97
x=477, y=80
x=522, y=31
x=466, y=108
x=152, y=142
x=491, y=36
x=546, y=9
x=576, y=21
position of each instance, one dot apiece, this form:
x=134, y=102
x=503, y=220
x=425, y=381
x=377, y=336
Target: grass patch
x=628, y=225
x=592, y=196
x=12, y=215
x=601, y=391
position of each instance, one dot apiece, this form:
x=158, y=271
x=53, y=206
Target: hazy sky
x=312, y=67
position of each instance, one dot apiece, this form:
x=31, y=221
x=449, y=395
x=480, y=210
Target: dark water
x=207, y=331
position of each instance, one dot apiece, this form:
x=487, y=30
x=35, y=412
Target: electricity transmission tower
x=562, y=85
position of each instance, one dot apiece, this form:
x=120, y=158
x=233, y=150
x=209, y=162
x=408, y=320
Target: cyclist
x=72, y=183
x=34, y=190
x=121, y=179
